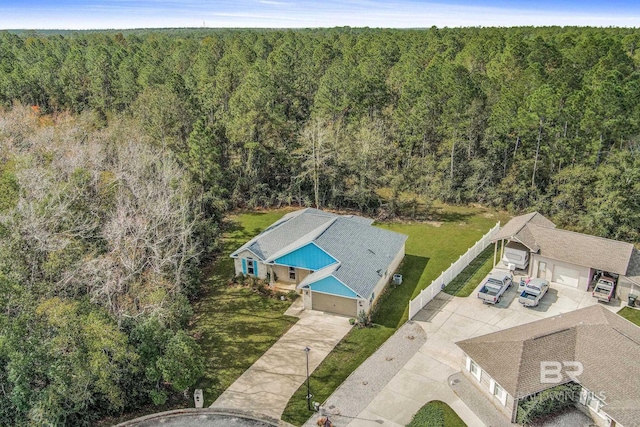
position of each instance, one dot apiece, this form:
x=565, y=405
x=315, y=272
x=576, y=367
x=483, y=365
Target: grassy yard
x=430, y=249
x=465, y=282
x=235, y=326
x=436, y=414
x=631, y=314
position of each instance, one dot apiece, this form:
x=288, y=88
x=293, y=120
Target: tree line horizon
x=122, y=150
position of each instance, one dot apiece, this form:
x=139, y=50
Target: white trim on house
x=341, y=296
x=251, y=266
x=594, y=403
x=307, y=282
x=499, y=392
x=474, y=369
x=343, y=240
x=238, y=252
x=303, y=241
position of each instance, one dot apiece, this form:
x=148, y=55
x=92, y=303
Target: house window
x=500, y=393
x=292, y=273
x=595, y=404
x=475, y=370
x=250, y=270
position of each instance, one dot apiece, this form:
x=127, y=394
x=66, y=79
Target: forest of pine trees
x=120, y=152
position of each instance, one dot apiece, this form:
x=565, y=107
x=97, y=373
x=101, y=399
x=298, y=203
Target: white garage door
x=566, y=276
x=333, y=304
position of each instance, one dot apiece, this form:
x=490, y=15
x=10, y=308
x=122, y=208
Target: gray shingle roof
x=541, y=236
x=633, y=271
x=363, y=251
x=513, y=229
x=606, y=344
x=582, y=249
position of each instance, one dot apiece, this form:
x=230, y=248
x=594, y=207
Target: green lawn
x=436, y=414
x=631, y=314
x=234, y=325
x=465, y=282
x=430, y=249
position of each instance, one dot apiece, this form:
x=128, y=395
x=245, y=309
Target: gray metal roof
x=363, y=251
x=606, y=344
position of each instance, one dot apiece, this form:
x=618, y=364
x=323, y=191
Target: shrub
x=262, y=288
x=436, y=414
x=292, y=295
x=547, y=402
x=364, y=320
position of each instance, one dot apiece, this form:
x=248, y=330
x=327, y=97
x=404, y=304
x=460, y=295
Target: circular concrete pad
x=203, y=420
x=222, y=417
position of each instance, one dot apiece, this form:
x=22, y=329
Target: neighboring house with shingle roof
x=506, y=365
x=341, y=263
x=570, y=258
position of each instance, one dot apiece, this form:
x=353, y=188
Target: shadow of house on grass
x=460, y=285
x=392, y=307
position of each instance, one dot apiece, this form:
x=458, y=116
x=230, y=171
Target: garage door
x=566, y=276
x=334, y=304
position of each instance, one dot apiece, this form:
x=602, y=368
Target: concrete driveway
x=425, y=376
x=269, y=383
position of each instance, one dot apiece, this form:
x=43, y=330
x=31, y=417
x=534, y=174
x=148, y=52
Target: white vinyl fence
x=429, y=293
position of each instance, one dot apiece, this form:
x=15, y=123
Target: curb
x=192, y=412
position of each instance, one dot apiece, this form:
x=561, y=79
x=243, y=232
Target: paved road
x=425, y=375
x=269, y=383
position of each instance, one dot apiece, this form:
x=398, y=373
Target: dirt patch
x=434, y=223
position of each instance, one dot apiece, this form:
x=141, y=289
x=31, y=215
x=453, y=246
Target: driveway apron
x=426, y=374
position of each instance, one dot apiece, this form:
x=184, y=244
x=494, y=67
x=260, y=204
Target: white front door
x=542, y=270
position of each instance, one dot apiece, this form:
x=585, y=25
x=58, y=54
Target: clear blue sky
x=95, y=14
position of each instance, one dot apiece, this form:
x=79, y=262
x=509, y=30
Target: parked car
x=493, y=288
x=532, y=292
x=604, y=289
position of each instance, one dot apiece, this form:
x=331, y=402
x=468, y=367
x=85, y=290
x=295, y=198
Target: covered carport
x=568, y=258
x=516, y=234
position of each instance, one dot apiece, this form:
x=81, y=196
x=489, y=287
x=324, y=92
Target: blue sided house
x=340, y=263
